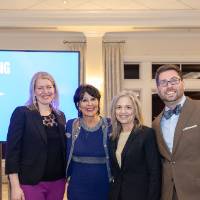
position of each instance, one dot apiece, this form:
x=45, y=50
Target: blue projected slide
x=16, y=71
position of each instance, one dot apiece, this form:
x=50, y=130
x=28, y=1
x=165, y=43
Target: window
x=189, y=70
x=131, y=71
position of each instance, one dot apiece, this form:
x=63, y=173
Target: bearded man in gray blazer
x=178, y=137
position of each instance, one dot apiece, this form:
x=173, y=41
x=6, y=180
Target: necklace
x=91, y=129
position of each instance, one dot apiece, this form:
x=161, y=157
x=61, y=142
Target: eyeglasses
x=172, y=81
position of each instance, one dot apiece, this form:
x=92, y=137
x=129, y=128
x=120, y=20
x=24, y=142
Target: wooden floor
x=5, y=192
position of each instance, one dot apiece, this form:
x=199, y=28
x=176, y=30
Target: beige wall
x=159, y=44
x=36, y=40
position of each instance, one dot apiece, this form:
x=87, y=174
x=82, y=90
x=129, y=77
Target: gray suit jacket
x=181, y=168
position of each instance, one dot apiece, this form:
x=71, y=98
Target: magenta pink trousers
x=45, y=190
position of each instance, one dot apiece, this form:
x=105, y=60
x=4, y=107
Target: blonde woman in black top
x=35, y=157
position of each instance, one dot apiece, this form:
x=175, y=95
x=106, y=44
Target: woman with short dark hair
x=88, y=168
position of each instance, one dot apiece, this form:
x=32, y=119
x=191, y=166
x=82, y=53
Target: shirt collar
x=182, y=101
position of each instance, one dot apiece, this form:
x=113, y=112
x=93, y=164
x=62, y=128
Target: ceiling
x=100, y=5
x=100, y=16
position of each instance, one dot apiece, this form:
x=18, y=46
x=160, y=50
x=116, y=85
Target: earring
x=34, y=100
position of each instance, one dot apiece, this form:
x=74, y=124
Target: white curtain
x=113, y=53
x=81, y=47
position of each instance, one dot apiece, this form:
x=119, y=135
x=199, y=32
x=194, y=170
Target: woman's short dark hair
x=79, y=93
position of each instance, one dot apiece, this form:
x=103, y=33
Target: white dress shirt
x=168, y=126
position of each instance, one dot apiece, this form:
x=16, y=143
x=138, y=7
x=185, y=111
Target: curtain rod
x=65, y=41
x=123, y=41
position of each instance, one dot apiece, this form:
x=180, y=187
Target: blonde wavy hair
x=32, y=102
x=116, y=125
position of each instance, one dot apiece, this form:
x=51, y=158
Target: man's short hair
x=167, y=67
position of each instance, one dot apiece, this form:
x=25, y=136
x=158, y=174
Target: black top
x=27, y=151
x=54, y=168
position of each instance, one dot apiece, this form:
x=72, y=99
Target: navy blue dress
x=88, y=181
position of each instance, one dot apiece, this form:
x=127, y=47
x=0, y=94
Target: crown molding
x=139, y=18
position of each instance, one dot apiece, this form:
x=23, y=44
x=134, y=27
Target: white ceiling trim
x=186, y=18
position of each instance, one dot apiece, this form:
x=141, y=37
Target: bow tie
x=169, y=113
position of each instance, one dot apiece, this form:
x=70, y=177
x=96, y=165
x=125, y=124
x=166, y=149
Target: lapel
x=37, y=122
x=114, y=148
x=164, y=150
x=61, y=125
x=131, y=138
x=185, y=115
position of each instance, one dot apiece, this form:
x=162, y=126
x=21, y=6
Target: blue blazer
x=26, y=150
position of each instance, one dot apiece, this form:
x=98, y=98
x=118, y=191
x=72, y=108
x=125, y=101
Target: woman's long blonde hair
x=138, y=121
x=32, y=102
